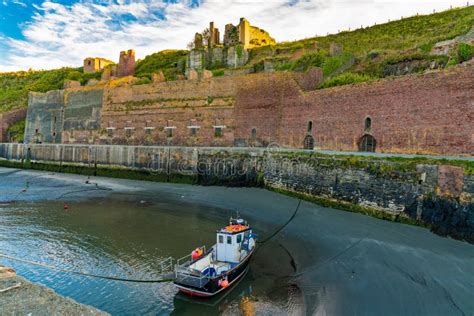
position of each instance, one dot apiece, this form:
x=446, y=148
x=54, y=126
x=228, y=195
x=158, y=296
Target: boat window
x=221, y=239
x=229, y=239
x=239, y=238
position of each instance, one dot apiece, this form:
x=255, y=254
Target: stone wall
x=44, y=117
x=441, y=196
x=81, y=115
x=67, y=116
x=7, y=119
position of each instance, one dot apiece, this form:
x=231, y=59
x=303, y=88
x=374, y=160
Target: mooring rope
x=84, y=273
x=281, y=227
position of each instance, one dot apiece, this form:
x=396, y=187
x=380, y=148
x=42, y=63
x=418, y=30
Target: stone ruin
x=232, y=52
x=94, y=64
x=110, y=70
x=126, y=66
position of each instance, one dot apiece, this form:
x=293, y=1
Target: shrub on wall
x=465, y=52
x=308, y=60
x=345, y=78
x=217, y=72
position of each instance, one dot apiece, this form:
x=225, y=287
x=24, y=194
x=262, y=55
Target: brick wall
x=185, y=112
x=431, y=113
x=7, y=119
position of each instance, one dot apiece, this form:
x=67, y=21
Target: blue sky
x=43, y=34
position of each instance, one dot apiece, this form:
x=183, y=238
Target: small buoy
x=196, y=254
x=66, y=207
x=224, y=283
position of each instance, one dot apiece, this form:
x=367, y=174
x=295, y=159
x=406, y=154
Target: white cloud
x=60, y=35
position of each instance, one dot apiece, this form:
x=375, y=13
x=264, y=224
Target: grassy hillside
x=367, y=54
x=375, y=49
x=14, y=86
x=170, y=62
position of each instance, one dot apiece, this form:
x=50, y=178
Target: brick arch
x=367, y=143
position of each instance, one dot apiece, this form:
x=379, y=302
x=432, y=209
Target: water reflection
x=126, y=236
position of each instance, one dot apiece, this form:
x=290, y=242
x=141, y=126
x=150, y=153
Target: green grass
x=171, y=62
x=14, y=87
x=345, y=78
x=373, y=48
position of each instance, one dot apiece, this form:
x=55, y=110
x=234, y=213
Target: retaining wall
x=428, y=192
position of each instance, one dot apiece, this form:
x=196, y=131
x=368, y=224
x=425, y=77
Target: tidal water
x=325, y=261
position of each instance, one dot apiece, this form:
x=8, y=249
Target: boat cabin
x=230, y=241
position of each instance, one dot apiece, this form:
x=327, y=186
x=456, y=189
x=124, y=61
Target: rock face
x=18, y=296
x=158, y=77
x=444, y=47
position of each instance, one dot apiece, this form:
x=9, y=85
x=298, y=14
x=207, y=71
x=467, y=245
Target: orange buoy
x=224, y=283
x=196, y=253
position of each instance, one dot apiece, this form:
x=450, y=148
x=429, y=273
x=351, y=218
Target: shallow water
x=324, y=262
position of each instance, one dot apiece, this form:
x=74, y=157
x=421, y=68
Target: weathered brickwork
x=192, y=112
x=431, y=113
x=7, y=119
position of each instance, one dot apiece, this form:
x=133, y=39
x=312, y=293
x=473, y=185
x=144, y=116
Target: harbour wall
x=424, y=191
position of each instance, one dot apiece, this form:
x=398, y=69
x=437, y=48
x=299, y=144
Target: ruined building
x=234, y=52
x=94, y=64
x=126, y=66
x=246, y=35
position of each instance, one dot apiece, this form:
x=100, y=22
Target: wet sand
x=341, y=263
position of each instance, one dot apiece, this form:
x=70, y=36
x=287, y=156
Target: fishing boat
x=206, y=273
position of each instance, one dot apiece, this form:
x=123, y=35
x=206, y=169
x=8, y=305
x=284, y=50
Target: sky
x=41, y=34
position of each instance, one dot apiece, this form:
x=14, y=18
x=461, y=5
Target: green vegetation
x=345, y=78
x=375, y=50
x=17, y=131
x=170, y=62
x=14, y=86
x=465, y=51
x=217, y=72
x=143, y=80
